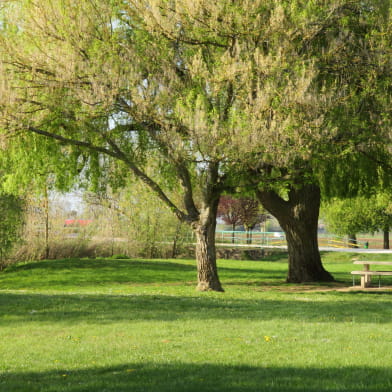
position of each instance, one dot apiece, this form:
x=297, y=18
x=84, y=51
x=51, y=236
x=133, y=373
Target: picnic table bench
x=366, y=273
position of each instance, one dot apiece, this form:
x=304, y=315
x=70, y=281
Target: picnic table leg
x=363, y=281
x=368, y=278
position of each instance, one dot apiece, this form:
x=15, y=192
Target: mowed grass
x=83, y=325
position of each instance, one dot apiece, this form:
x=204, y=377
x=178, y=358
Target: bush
x=11, y=223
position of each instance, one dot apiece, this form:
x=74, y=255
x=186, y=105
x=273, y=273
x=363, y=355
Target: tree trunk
x=386, y=237
x=175, y=240
x=204, y=228
x=298, y=217
x=46, y=212
x=248, y=236
x=352, y=241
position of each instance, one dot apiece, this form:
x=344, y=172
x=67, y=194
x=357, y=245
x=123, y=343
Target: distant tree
x=359, y=214
x=244, y=211
x=347, y=217
x=251, y=214
x=381, y=215
x=230, y=211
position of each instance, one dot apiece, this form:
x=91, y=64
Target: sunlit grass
x=139, y=325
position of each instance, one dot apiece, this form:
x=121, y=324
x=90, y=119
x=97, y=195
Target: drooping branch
x=118, y=154
x=70, y=141
x=151, y=183
x=380, y=162
x=180, y=167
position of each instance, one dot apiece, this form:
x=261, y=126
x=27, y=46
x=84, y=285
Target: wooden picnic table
x=366, y=273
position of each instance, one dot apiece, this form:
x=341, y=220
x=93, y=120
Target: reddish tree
x=250, y=215
x=244, y=211
x=229, y=210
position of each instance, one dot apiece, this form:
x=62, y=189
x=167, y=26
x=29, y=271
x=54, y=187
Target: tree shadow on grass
x=176, y=377
x=65, y=273
x=61, y=274
x=97, y=264
x=105, y=309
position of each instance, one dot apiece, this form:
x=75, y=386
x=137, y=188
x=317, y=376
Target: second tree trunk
x=298, y=217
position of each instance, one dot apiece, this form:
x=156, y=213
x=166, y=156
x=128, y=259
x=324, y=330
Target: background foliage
x=11, y=222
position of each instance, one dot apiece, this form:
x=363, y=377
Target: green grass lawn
x=139, y=325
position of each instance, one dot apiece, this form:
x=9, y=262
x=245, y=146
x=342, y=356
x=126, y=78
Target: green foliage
x=32, y=164
x=11, y=222
x=347, y=216
x=382, y=211
x=309, y=94
x=359, y=214
x=187, y=88
x=354, y=174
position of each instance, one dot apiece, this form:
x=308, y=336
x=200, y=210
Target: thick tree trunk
x=298, y=217
x=386, y=238
x=204, y=228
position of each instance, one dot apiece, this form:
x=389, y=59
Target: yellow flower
x=267, y=338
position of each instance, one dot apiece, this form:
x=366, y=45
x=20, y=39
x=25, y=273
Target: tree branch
x=382, y=163
x=118, y=154
x=272, y=202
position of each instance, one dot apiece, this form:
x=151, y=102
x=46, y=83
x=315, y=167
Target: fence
x=278, y=239
x=251, y=237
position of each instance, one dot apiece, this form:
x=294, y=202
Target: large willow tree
x=348, y=152
x=202, y=91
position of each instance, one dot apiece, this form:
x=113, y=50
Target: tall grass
x=82, y=325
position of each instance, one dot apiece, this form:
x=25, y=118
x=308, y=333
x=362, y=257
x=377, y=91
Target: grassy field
x=139, y=325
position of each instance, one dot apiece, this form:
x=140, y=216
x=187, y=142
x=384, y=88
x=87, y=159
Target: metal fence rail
x=251, y=237
x=270, y=238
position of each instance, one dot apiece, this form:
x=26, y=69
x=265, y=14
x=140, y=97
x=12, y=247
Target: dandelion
x=267, y=338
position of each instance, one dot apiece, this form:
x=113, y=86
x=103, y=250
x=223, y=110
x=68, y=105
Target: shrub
x=11, y=222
